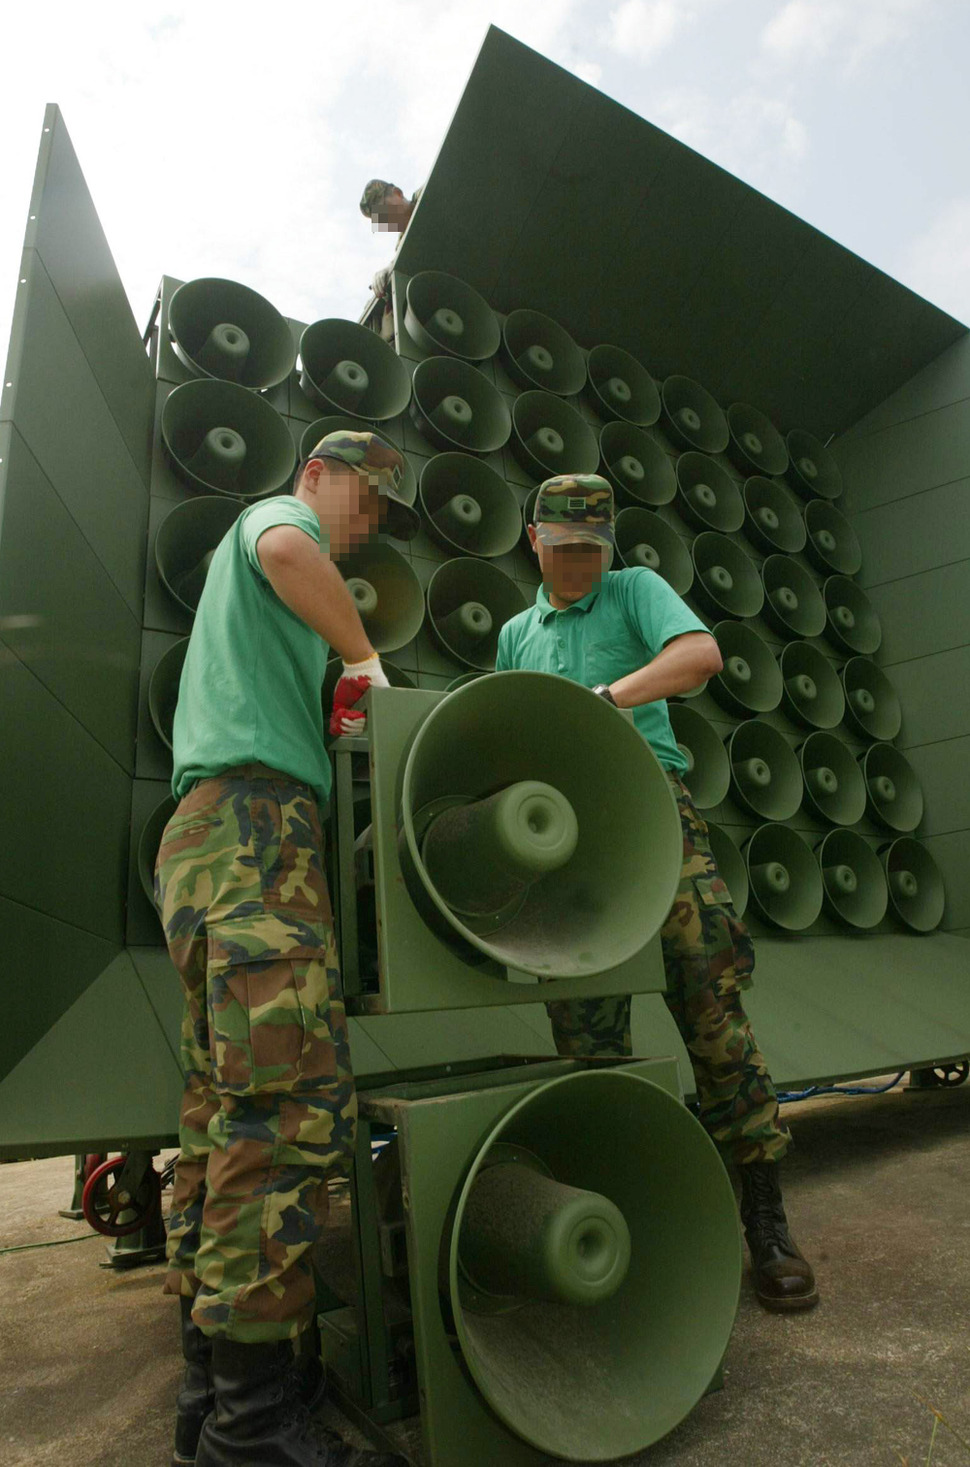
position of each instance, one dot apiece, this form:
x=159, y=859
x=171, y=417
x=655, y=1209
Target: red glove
x=356, y=678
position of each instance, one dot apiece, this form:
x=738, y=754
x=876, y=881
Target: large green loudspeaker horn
x=149, y=840
x=643, y=538
x=812, y=469
x=772, y=521
x=708, y=775
x=463, y=679
x=619, y=387
x=895, y=798
x=853, y=881
x=725, y=579
x=811, y=693
x=765, y=774
x=387, y=595
x=347, y=368
x=562, y=1254
x=221, y=439
x=793, y=602
x=784, y=880
x=549, y=437
x=750, y=680
x=187, y=539
x=637, y=467
x=833, y=544
x=540, y=353
x=692, y=417
x=852, y=625
x=347, y=423
x=730, y=865
x=392, y=672
x=163, y=689
x=872, y=707
x=707, y=496
x=756, y=446
x=221, y=329
x=915, y=883
x=455, y=406
x=469, y=507
x=444, y=314
x=834, y=787
x=510, y=850
x=469, y=601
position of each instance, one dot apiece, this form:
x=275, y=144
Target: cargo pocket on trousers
x=258, y=1007
x=727, y=941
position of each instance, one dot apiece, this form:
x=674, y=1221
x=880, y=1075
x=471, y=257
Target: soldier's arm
x=307, y=581
x=686, y=661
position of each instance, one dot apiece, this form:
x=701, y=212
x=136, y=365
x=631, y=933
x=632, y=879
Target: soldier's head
x=353, y=483
x=385, y=206
x=572, y=534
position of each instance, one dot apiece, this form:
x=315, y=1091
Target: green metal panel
x=902, y=537
x=928, y=716
x=906, y=457
x=946, y=380
x=942, y=772
x=922, y=614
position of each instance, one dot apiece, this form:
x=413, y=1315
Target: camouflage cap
x=382, y=464
x=374, y=194
x=574, y=507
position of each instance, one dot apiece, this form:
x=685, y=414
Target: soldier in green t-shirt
x=629, y=637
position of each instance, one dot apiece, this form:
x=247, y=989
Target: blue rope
x=785, y=1096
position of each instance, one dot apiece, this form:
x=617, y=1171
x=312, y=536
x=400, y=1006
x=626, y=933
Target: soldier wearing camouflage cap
x=630, y=638
x=269, y=1110
x=388, y=210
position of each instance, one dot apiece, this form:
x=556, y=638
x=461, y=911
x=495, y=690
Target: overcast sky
x=234, y=139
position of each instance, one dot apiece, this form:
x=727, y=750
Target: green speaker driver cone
x=468, y=506
x=812, y=469
x=635, y=464
x=643, y=538
x=726, y=580
x=601, y=906
x=620, y=387
x=772, y=522
x=811, y=692
x=852, y=625
x=765, y=775
x=784, y=878
x=793, y=603
x=347, y=368
x=163, y=689
x=392, y=672
x=659, y=1357
x=916, y=892
x=347, y=423
x=750, y=680
x=756, y=446
x=222, y=329
x=186, y=541
x=853, y=881
x=149, y=840
x=708, y=775
x=538, y=352
x=455, y=406
x=833, y=544
x=895, y=798
x=692, y=417
x=834, y=787
x=444, y=314
x=220, y=438
x=550, y=437
x=469, y=601
x=730, y=865
x=387, y=593
x=707, y=495
x=872, y=707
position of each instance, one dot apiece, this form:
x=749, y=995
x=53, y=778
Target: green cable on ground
x=53, y=1243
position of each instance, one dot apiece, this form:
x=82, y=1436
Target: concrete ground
x=879, y=1196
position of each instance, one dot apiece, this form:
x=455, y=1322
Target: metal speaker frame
x=756, y=446
x=812, y=469
x=469, y=508
x=708, y=774
x=772, y=521
x=835, y=789
x=445, y=314
x=549, y=437
x=620, y=387
x=793, y=601
x=163, y=689
x=221, y=329
x=469, y=601
x=895, y=796
x=186, y=541
x=812, y=692
x=707, y=496
x=539, y=353
x=750, y=680
x=726, y=580
x=832, y=543
x=766, y=778
x=644, y=539
x=635, y=464
x=346, y=368
x=692, y=417
x=917, y=894
x=730, y=865
x=221, y=438
x=785, y=881
x=346, y=423
x=852, y=624
x=387, y=594
x=872, y=707
x=853, y=881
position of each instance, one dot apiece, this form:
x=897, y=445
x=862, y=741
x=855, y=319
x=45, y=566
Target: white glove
x=352, y=684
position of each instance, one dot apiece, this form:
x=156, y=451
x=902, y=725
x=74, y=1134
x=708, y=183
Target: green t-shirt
x=251, y=684
x=616, y=629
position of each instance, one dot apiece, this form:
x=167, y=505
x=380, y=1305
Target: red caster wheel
x=121, y=1188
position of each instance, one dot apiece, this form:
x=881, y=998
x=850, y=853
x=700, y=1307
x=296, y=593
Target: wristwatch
x=602, y=690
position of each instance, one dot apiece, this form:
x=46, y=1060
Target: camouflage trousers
x=709, y=958
x=269, y=1109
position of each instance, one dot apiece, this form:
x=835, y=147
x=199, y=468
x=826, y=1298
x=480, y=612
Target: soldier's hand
x=353, y=683
x=381, y=284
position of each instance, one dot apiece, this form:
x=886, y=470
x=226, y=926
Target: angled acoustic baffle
x=618, y=386
x=221, y=438
x=772, y=520
x=750, y=680
x=692, y=417
x=707, y=496
x=916, y=892
x=643, y=538
x=549, y=437
x=853, y=879
x=785, y=883
x=812, y=693
x=708, y=775
x=872, y=706
x=793, y=603
x=219, y=328
x=833, y=544
x=444, y=314
x=731, y=866
x=469, y=601
x=469, y=508
x=637, y=467
x=765, y=774
x=538, y=352
x=725, y=579
x=186, y=541
x=835, y=789
x=852, y=624
x=756, y=446
x=348, y=369
x=812, y=470
x=895, y=798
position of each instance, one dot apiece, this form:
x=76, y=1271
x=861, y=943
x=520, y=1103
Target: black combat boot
x=259, y=1420
x=783, y=1278
x=196, y=1395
